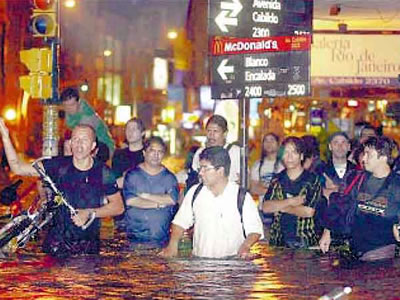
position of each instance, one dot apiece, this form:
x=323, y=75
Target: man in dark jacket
x=374, y=206
x=338, y=166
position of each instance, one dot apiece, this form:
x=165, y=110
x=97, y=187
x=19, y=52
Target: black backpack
x=240, y=201
x=193, y=175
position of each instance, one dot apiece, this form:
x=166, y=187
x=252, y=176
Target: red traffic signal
x=44, y=4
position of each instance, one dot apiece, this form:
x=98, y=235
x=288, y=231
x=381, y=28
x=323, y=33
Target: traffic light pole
x=50, y=109
x=51, y=135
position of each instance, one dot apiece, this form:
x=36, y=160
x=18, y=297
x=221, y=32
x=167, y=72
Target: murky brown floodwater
x=118, y=273
x=121, y=274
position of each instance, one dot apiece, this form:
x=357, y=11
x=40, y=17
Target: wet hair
x=358, y=150
x=218, y=157
x=218, y=120
x=383, y=145
x=368, y=126
x=264, y=154
x=297, y=142
x=155, y=140
x=69, y=93
x=139, y=123
x=311, y=146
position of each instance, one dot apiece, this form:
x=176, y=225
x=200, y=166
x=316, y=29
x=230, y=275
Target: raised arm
x=17, y=166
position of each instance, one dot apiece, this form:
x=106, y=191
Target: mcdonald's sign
x=217, y=47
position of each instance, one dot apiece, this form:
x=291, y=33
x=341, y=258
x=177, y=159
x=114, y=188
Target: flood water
x=118, y=273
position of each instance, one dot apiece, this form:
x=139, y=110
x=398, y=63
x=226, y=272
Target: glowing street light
x=10, y=114
x=69, y=3
x=107, y=53
x=172, y=34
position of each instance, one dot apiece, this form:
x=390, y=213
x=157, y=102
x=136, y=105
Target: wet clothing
x=82, y=189
x=218, y=230
x=86, y=115
x=287, y=229
x=125, y=159
x=149, y=225
x=373, y=208
x=378, y=207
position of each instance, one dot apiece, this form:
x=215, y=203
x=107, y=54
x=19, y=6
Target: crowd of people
x=348, y=202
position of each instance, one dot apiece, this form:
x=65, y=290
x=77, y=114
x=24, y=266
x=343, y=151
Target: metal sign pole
x=244, y=136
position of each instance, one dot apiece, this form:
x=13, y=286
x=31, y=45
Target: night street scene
x=200, y=149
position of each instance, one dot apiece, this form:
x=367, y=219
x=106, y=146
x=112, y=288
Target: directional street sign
x=270, y=67
x=260, y=18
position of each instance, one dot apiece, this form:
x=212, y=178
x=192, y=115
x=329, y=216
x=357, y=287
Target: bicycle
x=22, y=228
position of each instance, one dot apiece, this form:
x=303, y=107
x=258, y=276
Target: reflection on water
x=121, y=274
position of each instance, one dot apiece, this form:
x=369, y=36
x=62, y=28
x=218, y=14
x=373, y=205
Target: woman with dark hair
x=312, y=159
x=293, y=197
x=266, y=167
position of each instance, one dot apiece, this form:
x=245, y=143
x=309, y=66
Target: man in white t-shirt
x=219, y=229
x=217, y=129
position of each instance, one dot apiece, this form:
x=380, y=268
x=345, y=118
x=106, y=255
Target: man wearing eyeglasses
x=218, y=229
x=151, y=193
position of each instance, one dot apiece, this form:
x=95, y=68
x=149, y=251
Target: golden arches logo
x=218, y=47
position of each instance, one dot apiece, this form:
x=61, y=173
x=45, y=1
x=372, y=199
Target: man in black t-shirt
x=84, y=182
x=293, y=196
x=131, y=156
x=376, y=199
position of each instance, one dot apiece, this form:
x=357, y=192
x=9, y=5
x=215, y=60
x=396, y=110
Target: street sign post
x=268, y=67
x=260, y=18
x=259, y=48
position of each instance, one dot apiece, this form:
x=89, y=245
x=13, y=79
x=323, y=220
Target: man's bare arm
x=17, y=166
x=244, y=250
x=114, y=207
x=163, y=200
x=142, y=203
x=172, y=249
x=272, y=206
x=300, y=211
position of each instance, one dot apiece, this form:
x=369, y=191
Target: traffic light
x=39, y=62
x=44, y=18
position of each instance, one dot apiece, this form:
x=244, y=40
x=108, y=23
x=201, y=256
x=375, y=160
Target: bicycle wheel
x=12, y=230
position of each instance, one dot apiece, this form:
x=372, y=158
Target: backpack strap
x=196, y=193
x=229, y=146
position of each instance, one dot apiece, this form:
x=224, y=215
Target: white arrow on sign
x=235, y=6
x=223, y=69
x=223, y=20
